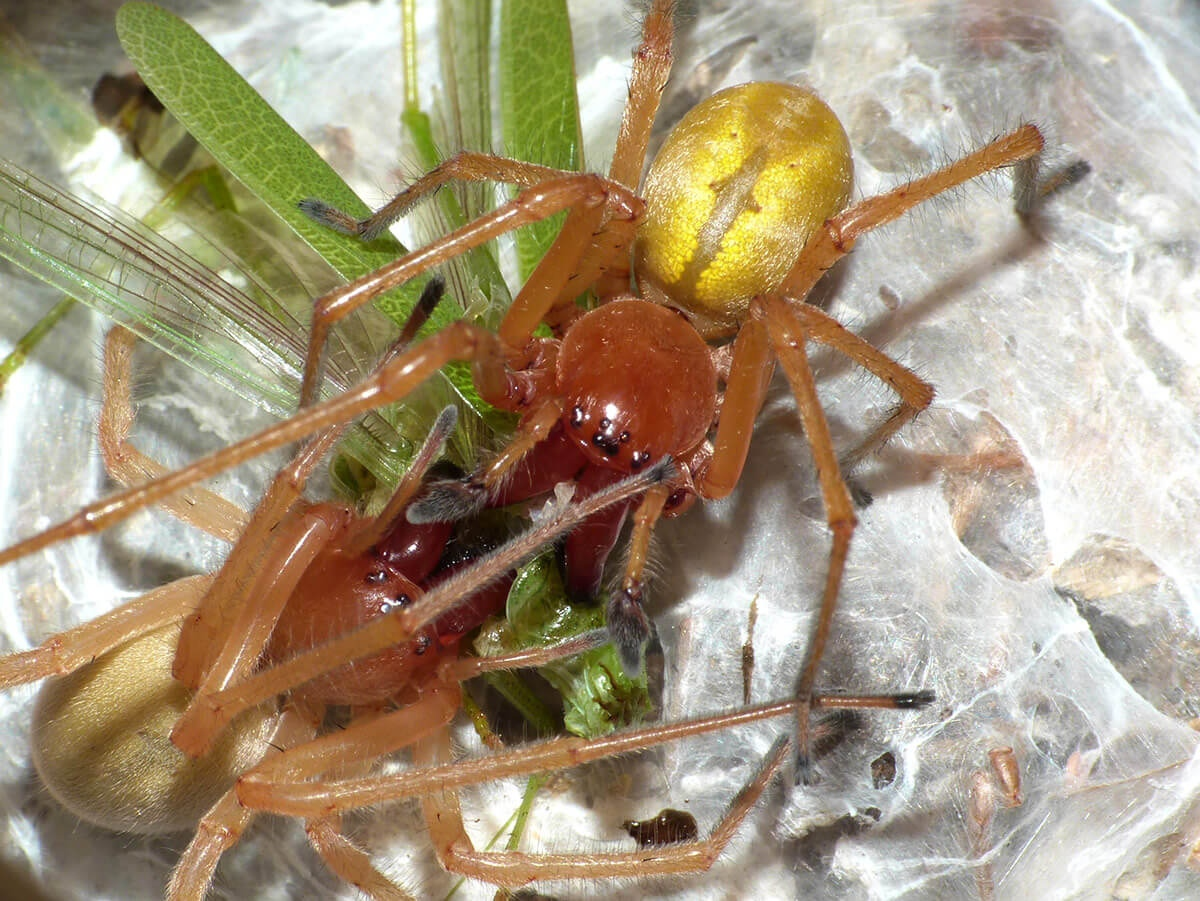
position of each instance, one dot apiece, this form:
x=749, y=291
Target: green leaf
x=464, y=100
x=229, y=118
x=246, y=136
x=461, y=119
x=540, y=110
x=597, y=695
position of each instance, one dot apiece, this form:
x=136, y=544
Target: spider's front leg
x=589, y=198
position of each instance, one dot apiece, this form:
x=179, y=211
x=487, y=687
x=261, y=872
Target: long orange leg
x=466, y=165
x=750, y=372
x=651, y=67
x=304, y=797
x=360, y=741
x=790, y=327
x=625, y=615
x=234, y=613
x=350, y=863
x=915, y=393
x=368, y=740
x=213, y=712
x=788, y=339
x=837, y=237
x=580, y=193
x=393, y=382
x=129, y=466
x=67, y=651
x=222, y=826
x=513, y=869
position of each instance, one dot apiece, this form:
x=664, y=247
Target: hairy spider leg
x=287, y=784
x=777, y=327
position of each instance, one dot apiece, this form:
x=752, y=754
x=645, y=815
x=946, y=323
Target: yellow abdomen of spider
x=735, y=192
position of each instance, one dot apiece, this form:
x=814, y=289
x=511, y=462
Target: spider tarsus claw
x=444, y=424
x=1075, y=171
x=448, y=501
x=629, y=628
x=1064, y=177
x=805, y=774
x=431, y=296
x=331, y=217
x=313, y=208
x=915, y=700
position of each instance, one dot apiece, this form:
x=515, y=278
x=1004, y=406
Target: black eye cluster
x=607, y=439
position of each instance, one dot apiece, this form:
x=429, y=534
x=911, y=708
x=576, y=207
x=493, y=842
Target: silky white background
x=1073, y=353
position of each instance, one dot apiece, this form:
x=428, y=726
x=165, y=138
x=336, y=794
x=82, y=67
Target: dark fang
x=629, y=628
x=915, y=700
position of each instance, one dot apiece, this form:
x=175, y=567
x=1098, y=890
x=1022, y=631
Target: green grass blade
x=540, y=110
x=235, y=124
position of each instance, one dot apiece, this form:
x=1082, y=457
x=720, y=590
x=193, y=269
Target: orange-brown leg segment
x=238, y=590
x=788, y=338
x=626, y=617
x=295, y=545
x=513, y=869
x=464, y=166
x=750, y=372
x=790, y=327
x=533, y=430
x=651, y=68
x=129, y=466
x=599, y=201
x=219, y=830
x=223, y=825
x=839, y=234
x=321, y=797
x=393, y=382
x=586, y=194
x=350, y=863
x=915, y=393
x=67, y=651
x=361, y=741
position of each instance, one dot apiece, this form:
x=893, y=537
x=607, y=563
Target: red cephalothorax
x=637, y=383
